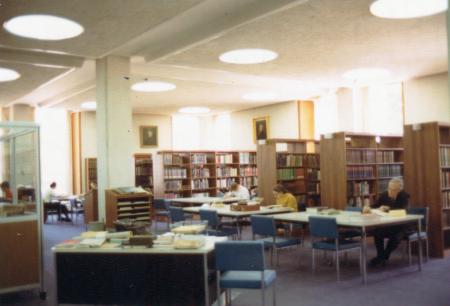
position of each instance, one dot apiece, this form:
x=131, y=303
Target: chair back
x=323, y=227
x=263, y=225
x=240, y=255
x=353, y=208
x=159, y=204
x=210, y=215
x=176, y=214
x=420, y=211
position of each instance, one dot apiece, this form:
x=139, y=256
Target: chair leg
x=274, y=295
x=263, y=296
x=337, y=267
x=313, y=261
x=428, y=249
x=409, y=253
x=276, y=256
x=219, y=296
x=228, y=296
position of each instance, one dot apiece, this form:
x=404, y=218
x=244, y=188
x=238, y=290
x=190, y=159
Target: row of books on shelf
x=199, y=158
x=226, y=171
x=143, y=162
x=249, y=181
x=290, y=173
x=224, y=183
x=175, y=173
x=313, y=160
x=445, y=181
x=224, y=159
x=143, y=171
x=358, y=188
x=389, y=170
x=360, y=156
x=289, y=160
x=200, y=172
x=359, y=172
x=200, y=184
x=169, y=159
x=313, y=187
x=248, y=171
x=247, y=158
x=446, y=199
x=144, y=181
x=295, y=187
x=445, y=157
x=173, y=185
x=386, y=157
x=313, y=174
x=359, y=201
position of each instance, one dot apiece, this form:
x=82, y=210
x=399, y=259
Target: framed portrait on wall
x=260, y=128
x=149, y=136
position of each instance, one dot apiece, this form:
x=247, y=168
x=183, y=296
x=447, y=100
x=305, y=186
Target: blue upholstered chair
x=325, y=236
x=240, y=264
x=414, y=237
x=215, y=227
x=264, y=226
x=176, y=214
x=161, y=208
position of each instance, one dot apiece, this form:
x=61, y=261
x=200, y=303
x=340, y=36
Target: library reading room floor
x=396, y=284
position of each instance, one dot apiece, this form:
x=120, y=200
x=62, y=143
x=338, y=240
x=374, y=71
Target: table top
x=202, y=200
x=168, y=250
x=351, y=219
x=225, y=211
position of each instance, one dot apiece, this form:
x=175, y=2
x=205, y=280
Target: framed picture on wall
x=260, y=128
x=149, y=136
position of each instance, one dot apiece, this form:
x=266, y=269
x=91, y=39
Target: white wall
x=427, y=99
x=55, y=149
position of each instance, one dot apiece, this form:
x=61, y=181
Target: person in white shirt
x=51, y=197
x=238, y=191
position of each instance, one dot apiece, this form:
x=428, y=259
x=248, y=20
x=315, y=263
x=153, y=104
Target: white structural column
x=114, y=127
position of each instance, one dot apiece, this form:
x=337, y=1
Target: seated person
x=284, y=198
x=238, y=191
x=51, y=197
x=7, y=193
x=394, y=198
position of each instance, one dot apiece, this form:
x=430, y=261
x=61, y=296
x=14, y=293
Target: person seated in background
x=394, y=198
x=51, y=197
x=253, y=192
x=7, y=193
x=238, y=191
x=222, y=192
x=284, y=198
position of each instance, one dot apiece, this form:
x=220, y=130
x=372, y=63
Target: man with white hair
x=394, y=198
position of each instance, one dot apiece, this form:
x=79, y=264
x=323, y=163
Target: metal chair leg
x=263, y=296
x=313, y=261
x=428, y=249
x=274, y=293
x=337, y=267
x=409, y=253
x=219, y=295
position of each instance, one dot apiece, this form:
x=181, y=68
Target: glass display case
x=20, y=208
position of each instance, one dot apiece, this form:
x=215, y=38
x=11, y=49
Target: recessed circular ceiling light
x=248, y=56
x=366, y=74
x=89, y=105
x=43, y=27
x=194, y=110
x=7, y=75
x=153, y=86
x=403, y=9
x=259, y=96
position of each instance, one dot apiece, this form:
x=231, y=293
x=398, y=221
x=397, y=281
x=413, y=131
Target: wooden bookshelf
x=191, y=173
x=427, y=178
x=356, y=168
x=127, y=206
x=90, y=172
x=293, y=163
x=143, y=171
x=91, y=206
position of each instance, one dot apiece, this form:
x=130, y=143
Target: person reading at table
x=284, y=198
x=51, y=197
x=394, y=198
x=238, y=191
x=7, y=193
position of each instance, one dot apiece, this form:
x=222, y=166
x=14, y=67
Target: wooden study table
x=197, y=201
x=227, y=212
x=150, y=276
x=359, y=221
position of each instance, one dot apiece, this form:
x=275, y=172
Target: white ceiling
x=180, y=40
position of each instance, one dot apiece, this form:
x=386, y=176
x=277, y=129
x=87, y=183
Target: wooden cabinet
x=190, y=173
x=91, y=206
x=356, y=168
x=90, y=172
x=292, y=163
x=19, y=255
x=427, y=178
x=135, y=206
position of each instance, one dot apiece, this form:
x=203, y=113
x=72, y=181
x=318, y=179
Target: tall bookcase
x=143, y=171
x=191, y=173
x=356, y=168
x=90, y=172
x=292, y=163
x=427, y=178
